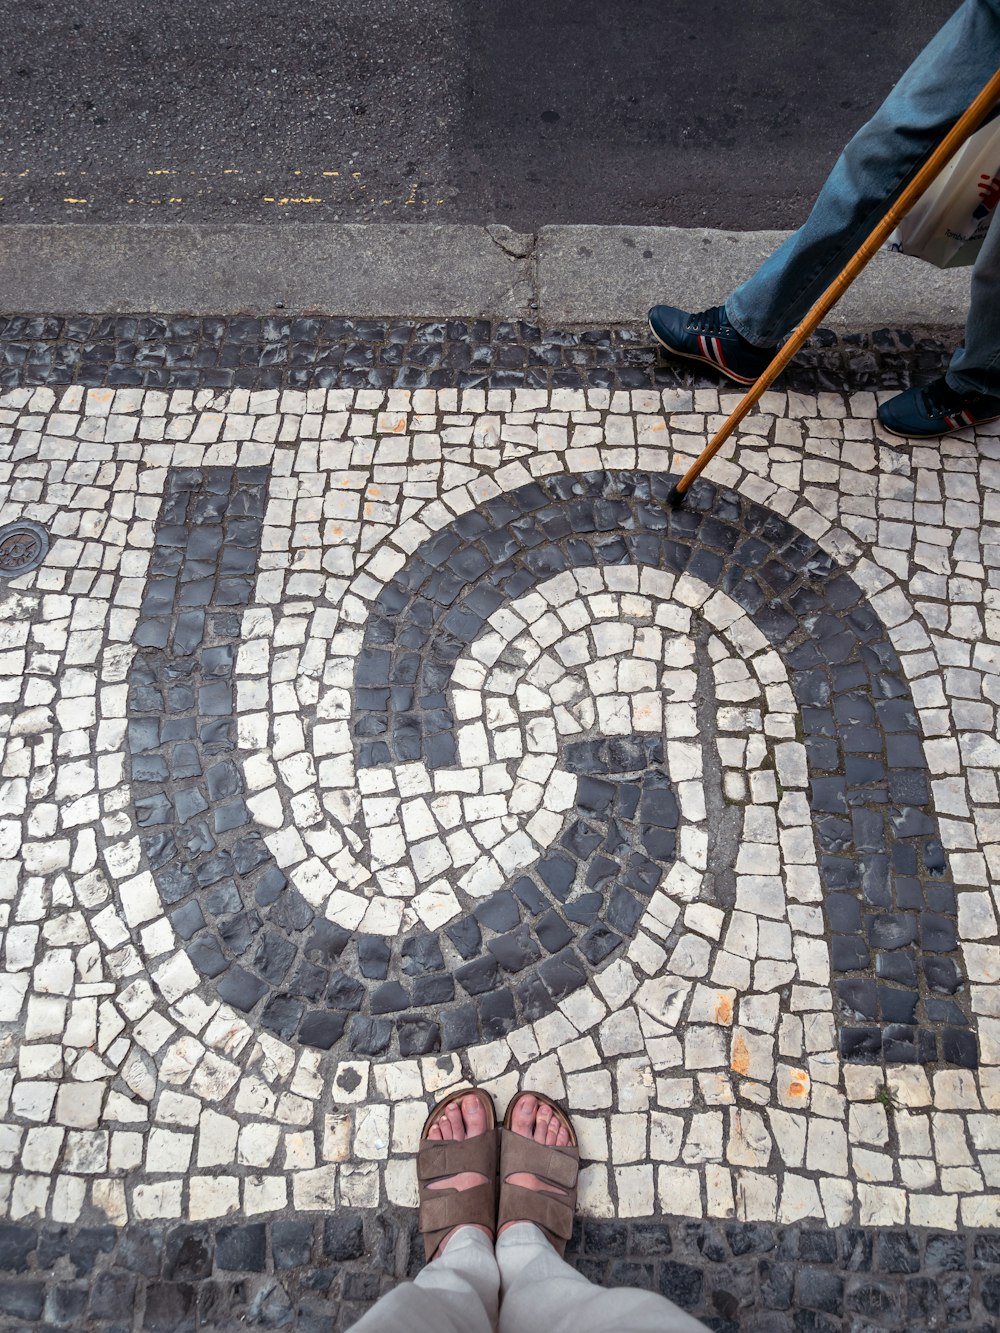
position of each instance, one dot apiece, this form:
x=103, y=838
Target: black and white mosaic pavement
x=316, y=1275
x=889, y=905
x=374, y=724
x=282, y=352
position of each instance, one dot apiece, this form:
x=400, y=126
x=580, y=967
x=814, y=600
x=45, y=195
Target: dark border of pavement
x=559, y=275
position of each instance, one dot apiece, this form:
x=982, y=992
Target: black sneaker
x=709, y=337
x=936, y=409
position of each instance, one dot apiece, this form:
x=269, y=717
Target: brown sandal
x=557, y=1167
x=441, y=1210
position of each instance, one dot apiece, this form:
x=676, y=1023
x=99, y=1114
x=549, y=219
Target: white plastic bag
x=946, y=226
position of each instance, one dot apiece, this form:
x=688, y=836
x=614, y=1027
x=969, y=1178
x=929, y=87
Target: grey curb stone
x=402, y=269
x=602, y=274
x=560, y=275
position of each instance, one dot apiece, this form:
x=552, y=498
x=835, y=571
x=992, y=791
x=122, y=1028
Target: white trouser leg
x=540, y=1293
x=457, y=1293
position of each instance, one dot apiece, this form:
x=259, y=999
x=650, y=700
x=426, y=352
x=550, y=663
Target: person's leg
x=540, y=1292
x=969, y=394
x=457, y=1293
x=871, y=172
x=458, y=1290
x=976, y=366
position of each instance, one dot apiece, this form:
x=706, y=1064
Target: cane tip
x=675, y=498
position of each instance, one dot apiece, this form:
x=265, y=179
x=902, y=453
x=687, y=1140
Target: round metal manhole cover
x=23, y=547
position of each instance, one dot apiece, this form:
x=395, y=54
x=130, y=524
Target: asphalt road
x=683, y=112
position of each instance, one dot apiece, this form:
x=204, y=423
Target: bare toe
x=523, y=1119
x=543, y=1116
x=434, y=1132
x=474, y=1115
x=453, y=1114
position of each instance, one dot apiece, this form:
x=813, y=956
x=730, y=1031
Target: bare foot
x=536, y=1120
x=464, y=1118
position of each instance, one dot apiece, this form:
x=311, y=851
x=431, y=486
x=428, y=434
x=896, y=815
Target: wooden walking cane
x=967, y=124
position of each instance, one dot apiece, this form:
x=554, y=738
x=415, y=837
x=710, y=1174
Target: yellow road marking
x=282, y=201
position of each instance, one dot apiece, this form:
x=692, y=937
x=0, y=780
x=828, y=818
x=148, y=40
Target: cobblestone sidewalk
x=373, y=723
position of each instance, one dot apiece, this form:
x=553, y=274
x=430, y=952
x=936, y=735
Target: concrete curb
x=560, y=275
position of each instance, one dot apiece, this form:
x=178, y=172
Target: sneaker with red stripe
x=936, y=409
x=710, y=338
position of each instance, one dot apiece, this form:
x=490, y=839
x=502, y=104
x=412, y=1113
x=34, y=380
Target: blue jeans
x=871, y=172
